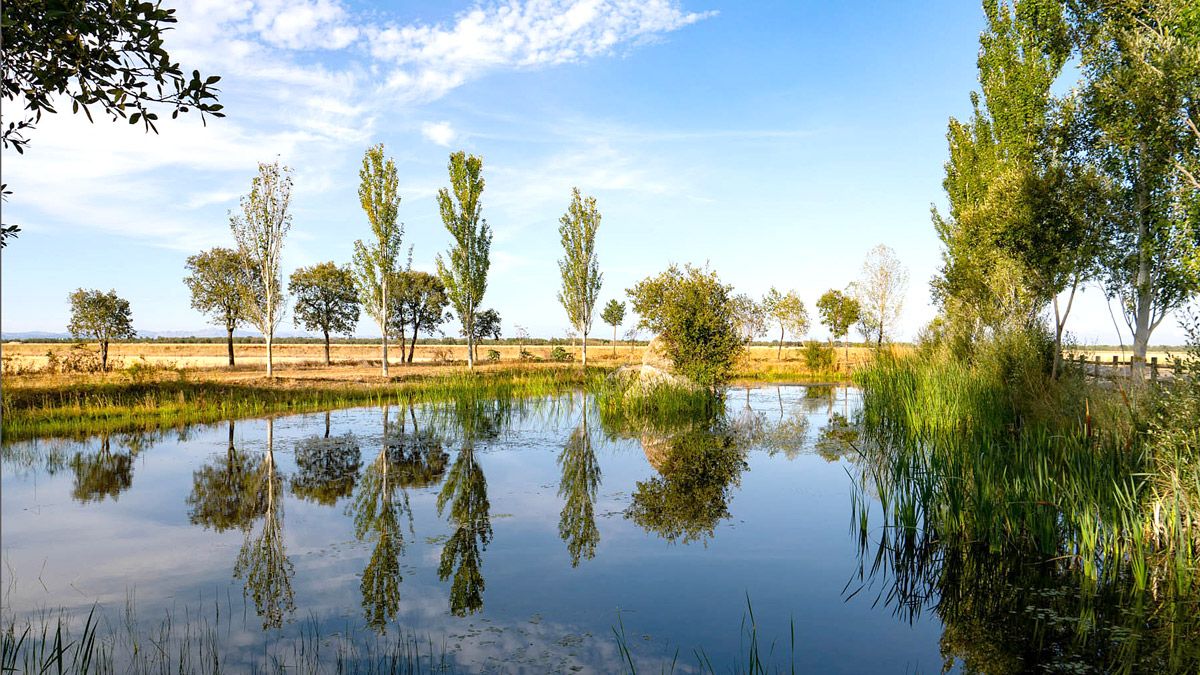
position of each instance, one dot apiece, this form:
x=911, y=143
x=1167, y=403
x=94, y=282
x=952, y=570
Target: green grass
x=80, y=410
x=1002, y=458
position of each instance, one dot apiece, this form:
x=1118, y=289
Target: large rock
x=656, y=356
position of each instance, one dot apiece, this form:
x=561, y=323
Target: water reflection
x=101, y=474
x=698, y=467
x=577, y=487
x=223, y=495
x=377, y=512
x=263, y=562
x=326, y=467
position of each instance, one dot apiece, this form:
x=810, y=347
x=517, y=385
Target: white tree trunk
x=585, y=350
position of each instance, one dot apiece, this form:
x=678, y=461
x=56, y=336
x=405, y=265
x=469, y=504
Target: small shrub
x=561, y=355
x=818, y=356
x=493, y=356
x=529, y=356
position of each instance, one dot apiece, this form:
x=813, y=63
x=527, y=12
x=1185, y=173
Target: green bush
x=493, y=356
x=818, y=356
x=561, y=355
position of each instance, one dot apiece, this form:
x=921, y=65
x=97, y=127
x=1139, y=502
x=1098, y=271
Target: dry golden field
x=28, y=361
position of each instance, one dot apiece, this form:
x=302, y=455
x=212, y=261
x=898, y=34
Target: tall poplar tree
x=1142, y=86
x=580, y=270
x=465, y=272
x=376, y=264
x=259, y=232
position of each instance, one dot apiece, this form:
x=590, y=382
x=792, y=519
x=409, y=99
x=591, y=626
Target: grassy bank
x=78, y=409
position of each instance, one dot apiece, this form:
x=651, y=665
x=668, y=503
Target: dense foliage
x=694, y=314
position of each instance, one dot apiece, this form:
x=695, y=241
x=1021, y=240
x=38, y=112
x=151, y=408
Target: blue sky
x=776, y=141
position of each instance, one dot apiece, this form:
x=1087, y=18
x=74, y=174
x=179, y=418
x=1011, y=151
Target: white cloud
x=440, y=133
x=432, y=60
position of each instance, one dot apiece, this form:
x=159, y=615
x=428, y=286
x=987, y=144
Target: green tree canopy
x=102, y=317
x=694, y=314
x=214, y=279
x=376, y=263
x=788, y=312
x=325, y=300
x=465, y=269
x=613, y=315
x=419, y=303
x=579, y=268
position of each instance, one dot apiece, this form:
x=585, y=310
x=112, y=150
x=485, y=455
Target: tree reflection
x=326, y=467
x=691, y=495
x=262, y=561
x=578, y=486
x=1022, y=613
x=101, y=474
x=224, y=494
x=377, y=511
x=465, y=491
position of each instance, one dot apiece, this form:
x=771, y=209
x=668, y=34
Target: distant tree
x=325, y=300
x=750, y=315
x=788, y=311
x=613, y=315
x=579, y=268
x=487, y=325
x=375, y=265
x=214, y=279
x=102, y=317
x=839, y=311
x=465, y=275
x=92, y=53
x=259, y=232
x=880, y=293
x=694, y=314
x=419, y=303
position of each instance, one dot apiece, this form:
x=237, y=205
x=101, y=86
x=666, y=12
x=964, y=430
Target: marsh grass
x=53, y=642
x=78, y=410
x=1019, y=464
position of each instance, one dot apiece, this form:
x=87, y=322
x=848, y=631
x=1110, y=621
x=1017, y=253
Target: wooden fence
x=1118, y=367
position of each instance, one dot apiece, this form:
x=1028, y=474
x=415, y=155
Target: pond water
x=523, y=536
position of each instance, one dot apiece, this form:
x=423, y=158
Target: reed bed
x=961, y=452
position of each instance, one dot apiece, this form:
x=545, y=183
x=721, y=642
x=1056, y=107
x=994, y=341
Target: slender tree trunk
x=470, y=344
x=403, y=342
x=229, y=343
x=584, y=340
x=779, y=352
x=327, y=346
x=1143, y=290
x=412, y=346
x=614, y=339
x=104, y=355
x=326, y=424
x=1060, y=325
x=270, y=340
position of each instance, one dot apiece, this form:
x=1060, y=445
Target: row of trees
x=1050, y=192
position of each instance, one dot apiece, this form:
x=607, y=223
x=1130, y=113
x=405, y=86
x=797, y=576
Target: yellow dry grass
x=303, y=364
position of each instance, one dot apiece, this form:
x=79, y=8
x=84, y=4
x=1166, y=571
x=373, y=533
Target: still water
x=514, y=536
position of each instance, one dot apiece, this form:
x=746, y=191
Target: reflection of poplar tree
x=580, y=481
x=222, y=496
x=465, y=491
x=263, y=561
x=377, y=516
x=100, y=475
